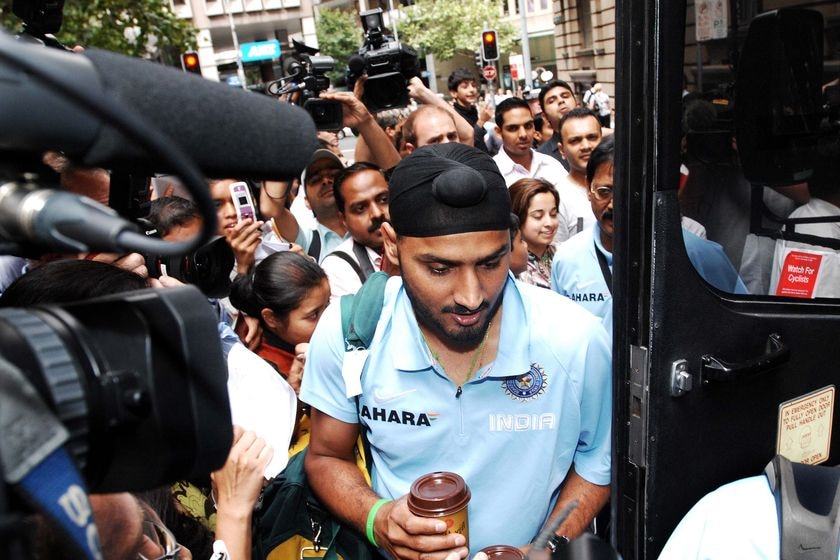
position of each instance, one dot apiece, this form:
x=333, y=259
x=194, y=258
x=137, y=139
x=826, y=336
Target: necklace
x=479, y=352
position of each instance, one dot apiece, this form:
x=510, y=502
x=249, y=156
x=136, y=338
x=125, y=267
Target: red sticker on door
x=799, y=275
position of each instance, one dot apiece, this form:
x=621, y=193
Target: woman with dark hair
x=69, y=280
x=535, y=202
x=288, y=293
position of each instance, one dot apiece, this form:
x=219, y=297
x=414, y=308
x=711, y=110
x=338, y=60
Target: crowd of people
x=492, y=352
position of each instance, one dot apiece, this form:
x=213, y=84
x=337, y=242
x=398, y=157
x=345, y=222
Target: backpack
x=289, y=521
x=808, y=506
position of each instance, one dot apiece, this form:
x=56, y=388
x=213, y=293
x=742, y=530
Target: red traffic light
x=489, y=45
x=189, y=62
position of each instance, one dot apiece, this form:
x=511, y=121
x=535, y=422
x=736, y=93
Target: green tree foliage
x=145, y=28
x=339, y=36
x=447, y=27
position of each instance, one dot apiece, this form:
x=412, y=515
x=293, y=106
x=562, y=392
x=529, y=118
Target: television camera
x=126, y=392
x=388, y=64
x=307, y=77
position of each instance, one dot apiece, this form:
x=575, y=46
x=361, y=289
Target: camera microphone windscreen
x=228, y=132
x=356, y=63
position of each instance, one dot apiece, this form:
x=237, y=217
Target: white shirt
x=302, y=213
x=343, y=279
x=575, y=212
x=542, y=167
x=827, y=277
x=735, y=522
x=263, y=402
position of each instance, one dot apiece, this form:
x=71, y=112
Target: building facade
x=584, y=42
x=251, y=21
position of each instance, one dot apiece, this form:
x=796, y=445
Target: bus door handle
x=715, y=369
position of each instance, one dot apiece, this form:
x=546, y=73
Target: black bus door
x=711, y=384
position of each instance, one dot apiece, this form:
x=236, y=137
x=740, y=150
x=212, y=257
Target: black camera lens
x=144, y=400
x=208, y=268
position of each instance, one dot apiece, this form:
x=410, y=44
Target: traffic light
x=489, y=46
x=478, y=61
x=189, y=62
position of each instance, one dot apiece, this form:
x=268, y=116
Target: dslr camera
x=307, y=75
x=388, y=64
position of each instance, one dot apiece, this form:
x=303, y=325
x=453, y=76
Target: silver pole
x=393, y=20
x=240, y=70
x=526, y=48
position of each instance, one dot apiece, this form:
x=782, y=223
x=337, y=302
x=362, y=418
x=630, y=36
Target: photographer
x=318, y=178
x=356, y=116
x=94, y=183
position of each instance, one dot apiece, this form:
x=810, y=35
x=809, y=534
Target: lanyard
x=605, y=268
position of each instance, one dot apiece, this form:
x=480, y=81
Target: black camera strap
x=605, y=268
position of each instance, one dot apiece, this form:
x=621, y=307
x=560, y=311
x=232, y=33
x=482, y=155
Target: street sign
x=261, y=50
x=489, y=72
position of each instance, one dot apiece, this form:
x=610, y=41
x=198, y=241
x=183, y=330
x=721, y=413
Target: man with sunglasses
x=582, y=266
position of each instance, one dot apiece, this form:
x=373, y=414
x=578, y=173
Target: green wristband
x=371, y=518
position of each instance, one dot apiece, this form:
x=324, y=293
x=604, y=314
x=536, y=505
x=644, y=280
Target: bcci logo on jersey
x=528, y=386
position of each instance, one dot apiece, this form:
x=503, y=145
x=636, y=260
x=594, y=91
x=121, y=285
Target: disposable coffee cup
x=444, y=496
x=503, y=552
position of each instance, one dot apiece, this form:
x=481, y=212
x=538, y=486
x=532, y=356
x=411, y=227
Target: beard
x=462, y=338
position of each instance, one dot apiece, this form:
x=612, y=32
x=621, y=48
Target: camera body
x=388, y=64
x=207, y=268
x=307, y=74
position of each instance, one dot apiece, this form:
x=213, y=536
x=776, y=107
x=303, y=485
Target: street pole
x=393, y=17
x=491, y=84
x=240, y=70
x=526, y=47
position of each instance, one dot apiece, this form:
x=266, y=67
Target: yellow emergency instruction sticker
x=805, y=427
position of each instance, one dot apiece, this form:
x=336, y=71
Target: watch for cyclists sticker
x=804, y=434
x=799, y=275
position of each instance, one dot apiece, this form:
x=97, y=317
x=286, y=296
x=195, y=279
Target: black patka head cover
x=444, y=189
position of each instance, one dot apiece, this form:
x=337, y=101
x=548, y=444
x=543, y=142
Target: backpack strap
x=349, y=260
x=360, y=312
x=364, y=260
x=807, y=503
x=359, y=317
x=315, y=246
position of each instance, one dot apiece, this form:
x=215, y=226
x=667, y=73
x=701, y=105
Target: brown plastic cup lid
x=437, y=494
x=503, y=552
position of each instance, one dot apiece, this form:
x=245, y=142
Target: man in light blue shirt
x=469, y=372
x=582, y=266
x=317, y=181
x=577, y=273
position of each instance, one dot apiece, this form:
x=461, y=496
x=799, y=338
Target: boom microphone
x=228, y=132
x=35, y=219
